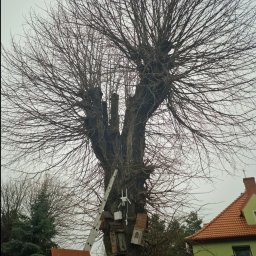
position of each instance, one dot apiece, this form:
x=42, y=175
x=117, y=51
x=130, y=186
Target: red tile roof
x=68, y=252
x=228, y=224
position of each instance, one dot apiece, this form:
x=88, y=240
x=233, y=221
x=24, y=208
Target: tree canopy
x=156, y=89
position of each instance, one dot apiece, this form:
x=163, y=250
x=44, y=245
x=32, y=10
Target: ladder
x=94, y=231
x=96, y=225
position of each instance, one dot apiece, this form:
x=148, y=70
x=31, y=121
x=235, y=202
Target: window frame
x=241, y=248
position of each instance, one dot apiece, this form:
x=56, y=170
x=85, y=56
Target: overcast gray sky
x=221, y=192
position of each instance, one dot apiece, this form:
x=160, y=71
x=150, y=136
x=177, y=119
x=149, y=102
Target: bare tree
x=17, y=197
x=12, y=197
x=149, y=86
x=63, y=204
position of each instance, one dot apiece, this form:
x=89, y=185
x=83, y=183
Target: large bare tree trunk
x=124, y=150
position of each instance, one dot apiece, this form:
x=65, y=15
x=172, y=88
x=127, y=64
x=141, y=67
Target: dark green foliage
x=32, y=235
x=192, y=223
x=156, y=241
x=42, y=223
x=30, y=248
x=169, y=239
x=11, y=248
x=22, y=229
x=20, y=233
x=7, y=221
x=176, y=235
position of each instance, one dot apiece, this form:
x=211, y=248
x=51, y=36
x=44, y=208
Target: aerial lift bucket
x=68, y=252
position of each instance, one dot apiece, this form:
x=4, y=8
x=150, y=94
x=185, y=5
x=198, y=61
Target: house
x=233, y=231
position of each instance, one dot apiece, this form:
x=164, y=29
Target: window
x=242, y=251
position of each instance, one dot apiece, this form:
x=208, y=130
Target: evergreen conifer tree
x=42, y=222
x=32, y=236
x=168, y=239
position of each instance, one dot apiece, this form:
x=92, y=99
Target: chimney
x=250, y=186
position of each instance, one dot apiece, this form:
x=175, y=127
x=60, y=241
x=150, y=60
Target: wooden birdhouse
x=117, y=238
x=118, y=215
x=137, y=236
x=139, y=229
x=105, y=217
x=141, y=221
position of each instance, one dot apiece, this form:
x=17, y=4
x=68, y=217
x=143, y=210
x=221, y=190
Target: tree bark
x=123, y=151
